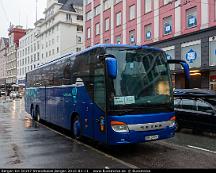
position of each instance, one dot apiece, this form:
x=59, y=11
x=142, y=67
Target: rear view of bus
x=140, y=101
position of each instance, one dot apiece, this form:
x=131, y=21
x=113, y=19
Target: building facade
x=3, y=57
x=62, y=30
x=59, y=33
x=185, y=29
x=15, y=33
x=28, y=54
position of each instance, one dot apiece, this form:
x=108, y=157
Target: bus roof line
x=93, y=47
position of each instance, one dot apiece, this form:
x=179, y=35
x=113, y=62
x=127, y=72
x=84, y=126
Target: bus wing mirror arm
x=186, y=70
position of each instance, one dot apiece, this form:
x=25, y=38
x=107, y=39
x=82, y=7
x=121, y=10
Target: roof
x=97, y=46
x=68, y=5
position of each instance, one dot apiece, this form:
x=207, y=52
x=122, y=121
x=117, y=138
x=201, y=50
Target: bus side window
x=82, y=70
x=99, y=80
x=99, y=88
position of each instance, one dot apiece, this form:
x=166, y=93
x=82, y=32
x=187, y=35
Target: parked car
x=14, y=94
x=195, y=109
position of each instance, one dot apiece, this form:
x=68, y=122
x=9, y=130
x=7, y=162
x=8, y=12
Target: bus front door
x=100, y=105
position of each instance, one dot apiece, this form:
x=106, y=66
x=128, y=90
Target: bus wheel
x=32, y=113
x=76, y=127
x=178, y=127
x=37, y=116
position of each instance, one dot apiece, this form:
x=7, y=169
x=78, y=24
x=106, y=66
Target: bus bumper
x=140, y=137
x=142, y=128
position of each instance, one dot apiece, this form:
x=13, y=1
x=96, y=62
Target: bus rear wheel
x=76, y=127
x=178, y=127
x=37, y=116
x=32, y=113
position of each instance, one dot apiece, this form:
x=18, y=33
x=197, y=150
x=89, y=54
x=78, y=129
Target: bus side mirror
x=186, y=70
x=111, y=64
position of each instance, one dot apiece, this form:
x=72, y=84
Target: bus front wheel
x=76, y=127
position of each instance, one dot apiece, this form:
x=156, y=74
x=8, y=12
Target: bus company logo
x=74, y=94
x=191, y=56
x=32, y=92
x=74, y=91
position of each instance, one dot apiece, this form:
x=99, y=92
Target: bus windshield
x=143, y=78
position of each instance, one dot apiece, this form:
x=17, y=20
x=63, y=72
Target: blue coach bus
x=114, y=94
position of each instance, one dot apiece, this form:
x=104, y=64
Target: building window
x=167, y=1
x=191, y=17
x=212, y=52
x=88, y=15
x=80, y=28
x=215, y=9
x=107, y=24
x=97, y=10
x=78, y=49
x=106, y=41
x=68, y=18
x=97, y=29
x=148, y=32
x=118, y=19
x=167, y=23
x=79, y=39
x=148, y=6
x=88, y=33
x=107, y=4
x=118, y=39
x=132, y=10
x=80, y=17
x=132, y=37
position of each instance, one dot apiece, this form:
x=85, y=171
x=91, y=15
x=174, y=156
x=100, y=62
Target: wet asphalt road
x=27, y=144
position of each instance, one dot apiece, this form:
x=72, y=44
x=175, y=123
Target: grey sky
x=21, y=12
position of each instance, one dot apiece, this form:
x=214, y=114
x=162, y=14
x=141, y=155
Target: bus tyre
x=76, y=128
x=32, y=113
x=178, y=127
x=37, y=117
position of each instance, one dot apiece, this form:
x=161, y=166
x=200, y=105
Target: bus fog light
x=119, y=127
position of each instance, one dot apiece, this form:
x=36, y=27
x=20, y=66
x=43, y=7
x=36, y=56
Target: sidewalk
x=27, y=144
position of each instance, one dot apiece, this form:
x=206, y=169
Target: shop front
x=212, y=80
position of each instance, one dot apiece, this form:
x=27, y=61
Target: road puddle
x=30, y=124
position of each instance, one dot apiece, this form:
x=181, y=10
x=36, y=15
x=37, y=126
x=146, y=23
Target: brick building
x=15, y=33
x=185, y=29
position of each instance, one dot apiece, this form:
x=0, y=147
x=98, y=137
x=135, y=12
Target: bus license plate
x=153, y=137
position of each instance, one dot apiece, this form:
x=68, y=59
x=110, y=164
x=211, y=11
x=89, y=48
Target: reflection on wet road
x=27, y=144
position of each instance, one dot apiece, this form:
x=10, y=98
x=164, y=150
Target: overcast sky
x=19, y=12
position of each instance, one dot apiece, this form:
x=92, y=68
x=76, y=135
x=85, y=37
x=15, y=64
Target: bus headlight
x=119, y=127
x=172, y=122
